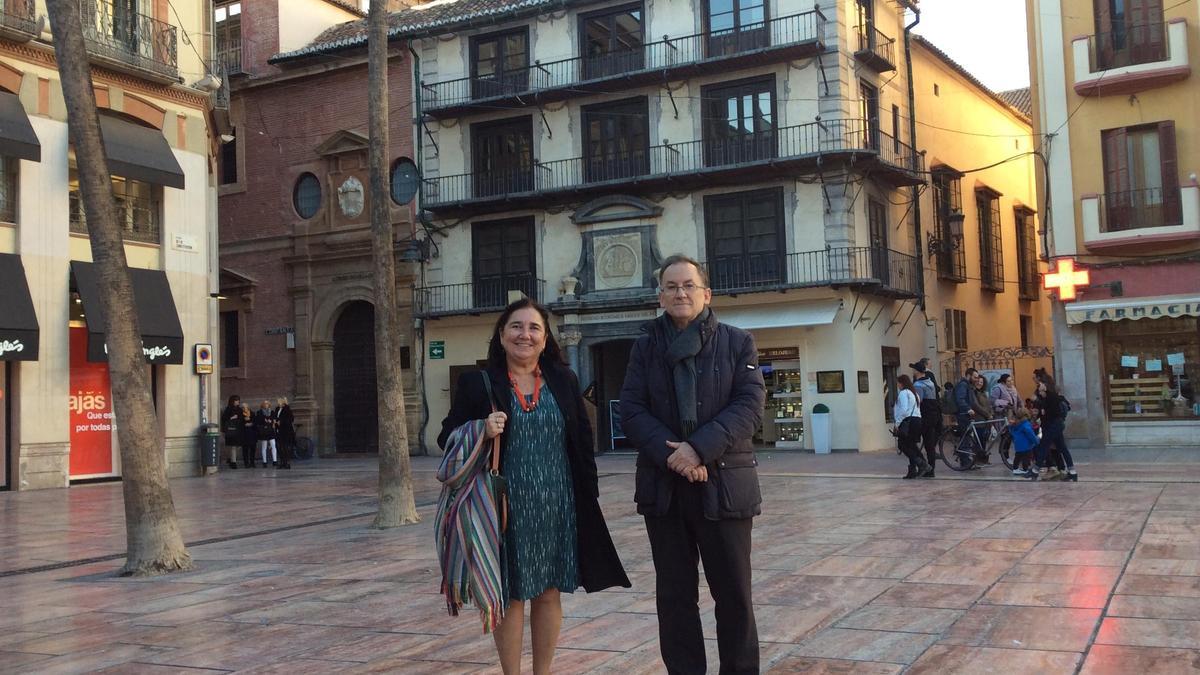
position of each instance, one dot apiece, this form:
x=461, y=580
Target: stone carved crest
x=618, y=261
x=351, y=197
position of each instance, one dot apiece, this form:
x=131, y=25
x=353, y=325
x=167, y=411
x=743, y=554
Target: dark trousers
x=1052, y=434
x=678, y=541
x=931, y=428
x=910, y=443
x=248, y=454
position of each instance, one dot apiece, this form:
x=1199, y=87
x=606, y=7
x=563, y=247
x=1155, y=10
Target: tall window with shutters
x=947, y=198
x=1129, y=32
x=745, y=238
x=991, y=241
x=502, y=256
x=1027, y=277
x=1141, y=178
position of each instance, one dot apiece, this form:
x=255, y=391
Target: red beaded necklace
x=528, y=406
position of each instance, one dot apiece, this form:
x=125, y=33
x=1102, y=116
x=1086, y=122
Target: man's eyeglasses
x=673, y=289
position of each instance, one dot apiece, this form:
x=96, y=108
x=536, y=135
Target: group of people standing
x=269, y=430
x=692, y=399
x=1036, y=425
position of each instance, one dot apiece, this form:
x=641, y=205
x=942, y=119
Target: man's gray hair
x=680, y=258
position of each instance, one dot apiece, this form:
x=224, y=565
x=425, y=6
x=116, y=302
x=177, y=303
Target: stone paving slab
x=852, y=575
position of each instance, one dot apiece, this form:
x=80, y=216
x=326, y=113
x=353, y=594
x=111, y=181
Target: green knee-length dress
x=541, y=538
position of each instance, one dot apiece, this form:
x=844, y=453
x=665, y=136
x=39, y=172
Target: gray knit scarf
x=681, y=354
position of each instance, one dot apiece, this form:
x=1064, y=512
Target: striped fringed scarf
x=469, y=528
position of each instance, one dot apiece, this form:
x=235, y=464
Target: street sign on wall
x=437, y=350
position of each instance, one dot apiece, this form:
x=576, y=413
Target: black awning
x=18, y=322
x=162, y=336
x=140, y=153
x=16, y=133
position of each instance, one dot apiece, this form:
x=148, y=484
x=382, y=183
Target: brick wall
x=280, y=126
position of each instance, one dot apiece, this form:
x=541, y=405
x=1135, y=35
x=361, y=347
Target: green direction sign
x=437, y=349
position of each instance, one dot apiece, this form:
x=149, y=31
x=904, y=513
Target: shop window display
x=1151, y=366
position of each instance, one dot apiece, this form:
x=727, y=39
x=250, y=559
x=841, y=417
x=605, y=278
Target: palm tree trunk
x=397, y=504
x=154, y=544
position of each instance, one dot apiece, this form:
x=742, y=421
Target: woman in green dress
x=556, y=539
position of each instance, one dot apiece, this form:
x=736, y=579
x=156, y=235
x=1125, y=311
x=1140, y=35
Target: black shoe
x=929, y=473
x=285, y=466
x=1071, y=476
x=912, y=473
x=274, y=463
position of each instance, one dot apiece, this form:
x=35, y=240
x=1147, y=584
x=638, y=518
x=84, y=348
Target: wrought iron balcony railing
x=478, y=297
x=1129, y=46
x=671, y=161
x=137, y=216
x=229, y=58
x=622, y=69
x=125, y=38
x=876, y=50
x=889, y=272
x=18, y=19
x=1137, y=209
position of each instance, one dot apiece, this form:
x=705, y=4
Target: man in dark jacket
x=692, y=399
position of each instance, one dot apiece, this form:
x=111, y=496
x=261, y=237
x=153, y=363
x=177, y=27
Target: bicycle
x=963, y=451
x=303, y=448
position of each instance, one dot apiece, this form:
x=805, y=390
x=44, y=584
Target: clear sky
x=987, y=37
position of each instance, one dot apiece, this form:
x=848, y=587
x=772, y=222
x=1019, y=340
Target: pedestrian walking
x=692, y=400
x=285, y=425
x=231, y=425
x=1054, y=420
x=1024, y=440
x=907, y=414
x=249, y=440
x=932, y=424
x=266, y=433
x=556, y=539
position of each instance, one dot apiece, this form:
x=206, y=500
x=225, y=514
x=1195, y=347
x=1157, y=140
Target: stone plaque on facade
x=350, y=197
x=618, y=261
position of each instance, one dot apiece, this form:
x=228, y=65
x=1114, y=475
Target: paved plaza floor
x=855, y=571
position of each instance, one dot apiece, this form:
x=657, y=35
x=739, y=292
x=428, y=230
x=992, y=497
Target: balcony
x=681, y=166
x=1132, y=60
x=1140, y=217
x=785, y=38
x=18, y=20
x=138, y=217
x=130, y=42
x=876, y=50
x=478, y=297
x=877, y=270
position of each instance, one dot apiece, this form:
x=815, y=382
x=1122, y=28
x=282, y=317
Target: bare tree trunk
x=397, y=504
x=154, y=544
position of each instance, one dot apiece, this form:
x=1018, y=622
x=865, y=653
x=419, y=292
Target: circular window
x=405, y=181
x=307, y=195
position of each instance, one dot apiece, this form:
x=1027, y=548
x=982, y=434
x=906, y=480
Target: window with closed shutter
x=745, y=239
x=1141, y=177
x=502, y=253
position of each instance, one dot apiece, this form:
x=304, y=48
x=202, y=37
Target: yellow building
x=1116, y=102
x=56, y=422
x=983, y=289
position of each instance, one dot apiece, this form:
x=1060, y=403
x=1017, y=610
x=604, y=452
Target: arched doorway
x=355, y=408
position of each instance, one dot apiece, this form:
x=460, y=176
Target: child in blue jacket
x=1024, y=440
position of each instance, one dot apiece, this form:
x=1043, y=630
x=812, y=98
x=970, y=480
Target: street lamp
x=954, y=225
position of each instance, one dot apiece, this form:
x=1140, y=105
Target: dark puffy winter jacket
x=729, y=406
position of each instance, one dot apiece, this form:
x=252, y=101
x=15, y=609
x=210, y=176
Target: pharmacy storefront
x=1146, y=367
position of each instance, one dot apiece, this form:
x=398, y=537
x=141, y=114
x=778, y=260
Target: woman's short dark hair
x=1005, y=377
x=234, y=400
x=552, y=355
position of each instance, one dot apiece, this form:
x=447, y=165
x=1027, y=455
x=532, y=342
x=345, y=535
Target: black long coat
x=599, y=565
x=729, y=405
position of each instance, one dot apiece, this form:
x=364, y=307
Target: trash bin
x=210, y=445
x=822, y=429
